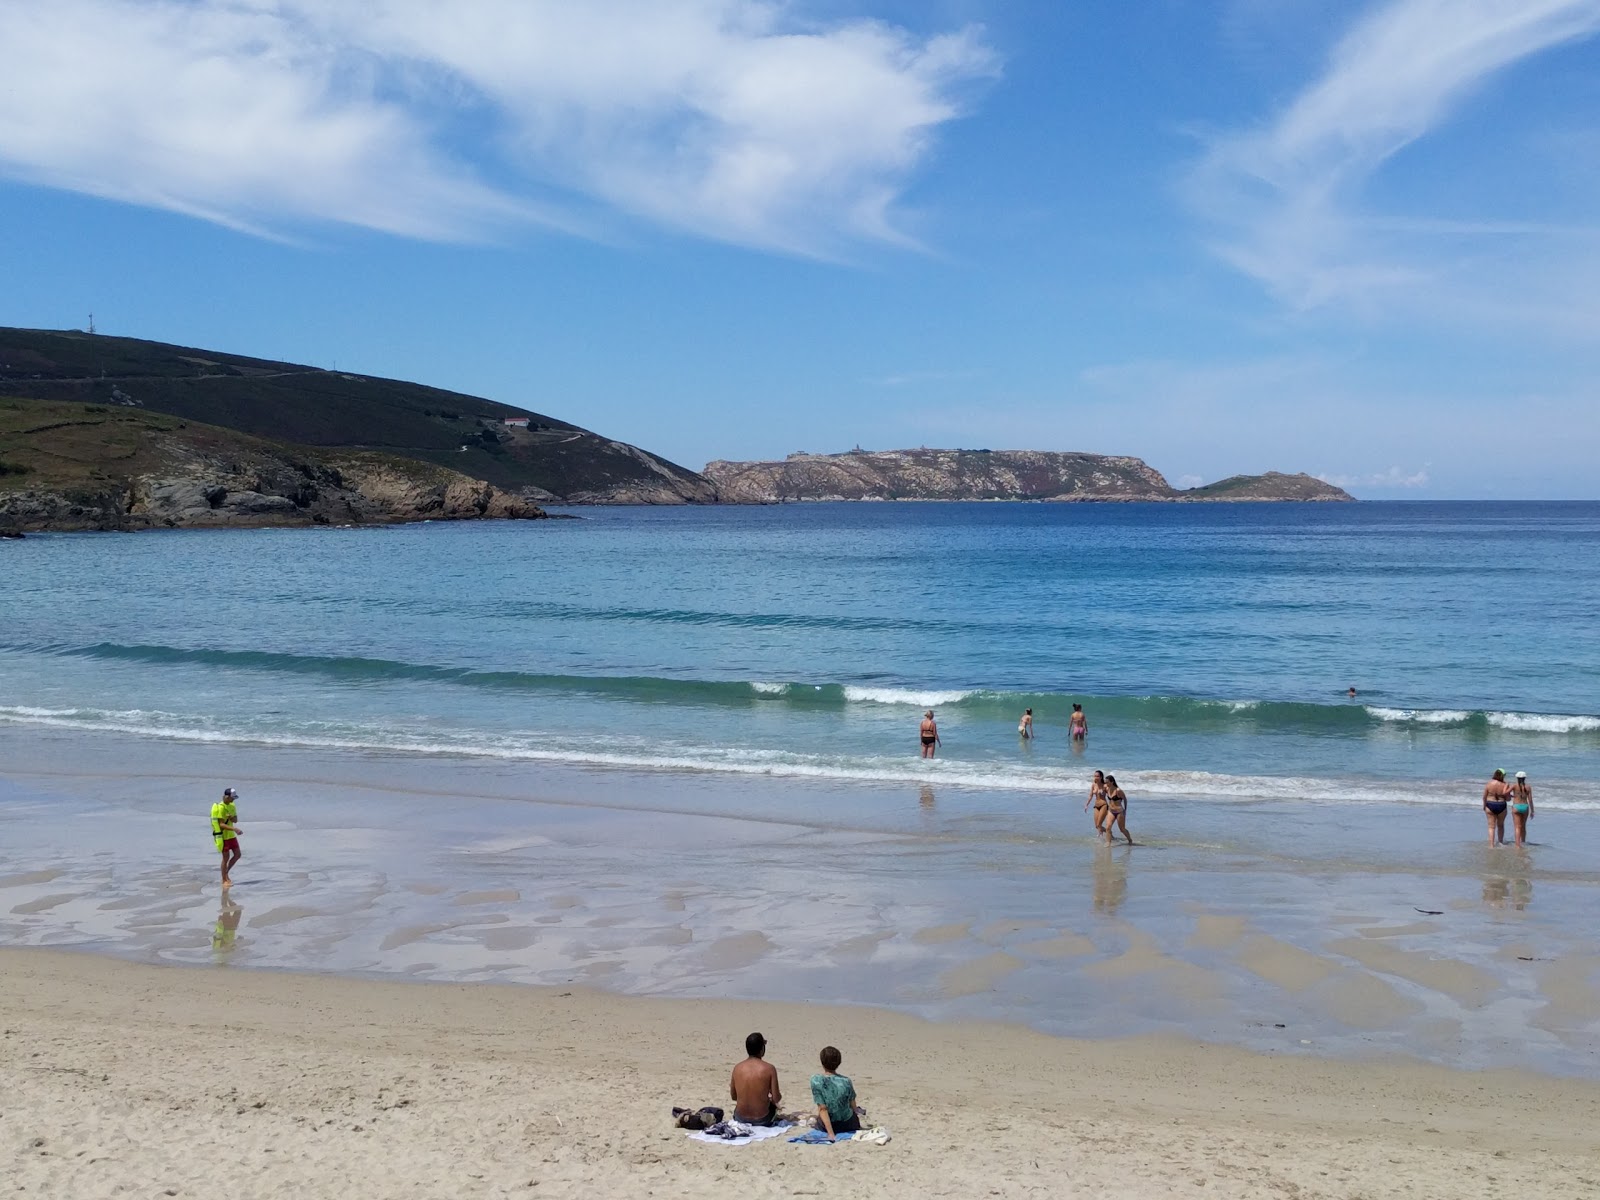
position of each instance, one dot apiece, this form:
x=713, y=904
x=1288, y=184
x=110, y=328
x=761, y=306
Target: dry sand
x=123, y=1079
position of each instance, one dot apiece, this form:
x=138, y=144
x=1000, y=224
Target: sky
x=1358, y=239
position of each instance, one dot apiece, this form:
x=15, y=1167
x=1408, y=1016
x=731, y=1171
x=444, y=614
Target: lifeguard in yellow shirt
x=225, y=832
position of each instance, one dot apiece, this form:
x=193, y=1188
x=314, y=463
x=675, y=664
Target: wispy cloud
x=1394, y=479
x=735, y=120
x=1286, y=200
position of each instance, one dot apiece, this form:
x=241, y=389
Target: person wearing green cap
x=1496, y=795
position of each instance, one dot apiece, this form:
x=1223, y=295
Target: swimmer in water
x=1351, y=693
x=1079, y=728
x=1025, y=726
x=929, y=734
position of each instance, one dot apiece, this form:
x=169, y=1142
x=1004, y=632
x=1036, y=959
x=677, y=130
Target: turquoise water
x=673, y=751
x=1211, y=645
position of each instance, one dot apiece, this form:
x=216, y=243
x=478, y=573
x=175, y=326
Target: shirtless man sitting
x=754, y=1086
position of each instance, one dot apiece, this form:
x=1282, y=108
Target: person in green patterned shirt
x=834, y=1096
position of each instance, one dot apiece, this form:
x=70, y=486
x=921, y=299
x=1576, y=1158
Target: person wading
x=225, y=832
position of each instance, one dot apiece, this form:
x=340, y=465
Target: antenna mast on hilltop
x=91, y=322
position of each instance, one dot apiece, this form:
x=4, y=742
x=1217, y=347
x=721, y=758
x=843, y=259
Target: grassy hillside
x=291, y=403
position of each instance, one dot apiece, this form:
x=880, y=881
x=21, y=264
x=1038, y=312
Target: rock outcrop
x=938, y=475
x=75, y=467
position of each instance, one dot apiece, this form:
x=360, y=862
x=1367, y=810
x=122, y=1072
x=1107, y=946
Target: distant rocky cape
x=986, y=475
x=101, y=432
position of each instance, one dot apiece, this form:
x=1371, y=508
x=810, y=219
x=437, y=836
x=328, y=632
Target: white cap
x=1522, y=774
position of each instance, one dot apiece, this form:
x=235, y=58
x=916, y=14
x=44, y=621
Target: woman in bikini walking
x=1097, y=797
x=1521, y=808
x=1116, y=811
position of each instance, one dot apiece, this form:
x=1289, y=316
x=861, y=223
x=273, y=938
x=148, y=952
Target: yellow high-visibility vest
x=222, y=813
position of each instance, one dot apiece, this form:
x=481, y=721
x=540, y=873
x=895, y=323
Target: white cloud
x=729, y=119
x=1286, y=199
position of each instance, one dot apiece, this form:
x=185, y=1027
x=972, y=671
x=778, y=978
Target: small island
x=1043, y=475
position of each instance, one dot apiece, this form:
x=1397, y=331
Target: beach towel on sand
x=757, y=1133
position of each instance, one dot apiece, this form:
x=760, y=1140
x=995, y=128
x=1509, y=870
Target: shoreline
x=311, y=1084
x=675, y=886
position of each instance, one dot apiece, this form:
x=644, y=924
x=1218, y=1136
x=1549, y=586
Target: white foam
x=1544, y=723
x=1421, y=716
x=998, y=776
x=907, y=696
x=762, y=688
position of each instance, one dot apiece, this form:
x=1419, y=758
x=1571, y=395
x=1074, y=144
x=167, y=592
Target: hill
x=1274, y=485
x=547, y=460
x=984, y=475
x=66, y=466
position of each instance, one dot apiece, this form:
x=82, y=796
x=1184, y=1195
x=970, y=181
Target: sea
x=684, y=678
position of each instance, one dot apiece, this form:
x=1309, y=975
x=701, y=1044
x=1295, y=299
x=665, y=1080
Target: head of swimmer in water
x=929, y=714
x=1077, y=708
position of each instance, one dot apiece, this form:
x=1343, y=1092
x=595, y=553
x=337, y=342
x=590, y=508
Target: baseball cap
x=1522, y=774
x=230, y=792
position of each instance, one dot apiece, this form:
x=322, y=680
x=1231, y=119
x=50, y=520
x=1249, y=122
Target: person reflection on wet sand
x=227, y=927
x=926, y=798
x=1110, y=880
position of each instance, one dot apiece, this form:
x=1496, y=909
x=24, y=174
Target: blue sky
x=1356, y=239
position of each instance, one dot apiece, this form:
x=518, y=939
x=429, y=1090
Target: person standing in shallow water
x=225, y=832
x=929, y=734
x=1078, y=729
x=1116, y=811
x=1521, y=808
x=1025, y=726
x=1496, y=797
x=1097, y=797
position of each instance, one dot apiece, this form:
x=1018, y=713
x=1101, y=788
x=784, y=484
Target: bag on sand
x=696, y=1118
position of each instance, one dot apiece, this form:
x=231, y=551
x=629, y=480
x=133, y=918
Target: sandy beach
x=125, y=1079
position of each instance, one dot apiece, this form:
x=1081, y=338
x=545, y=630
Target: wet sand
x=667, y=886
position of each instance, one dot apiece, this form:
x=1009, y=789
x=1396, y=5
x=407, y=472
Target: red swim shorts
x=231, y=844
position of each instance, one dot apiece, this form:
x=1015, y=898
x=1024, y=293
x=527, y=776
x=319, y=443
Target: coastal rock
x=939, y=475
x=95, y=468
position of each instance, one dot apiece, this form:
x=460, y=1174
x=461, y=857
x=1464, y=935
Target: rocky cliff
x=938, y=475
x=73, y=466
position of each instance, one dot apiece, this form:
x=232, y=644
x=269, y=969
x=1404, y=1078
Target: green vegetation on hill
x=307, y=406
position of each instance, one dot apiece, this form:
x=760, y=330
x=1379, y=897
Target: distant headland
x=1046, y=475
x=100, y=432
